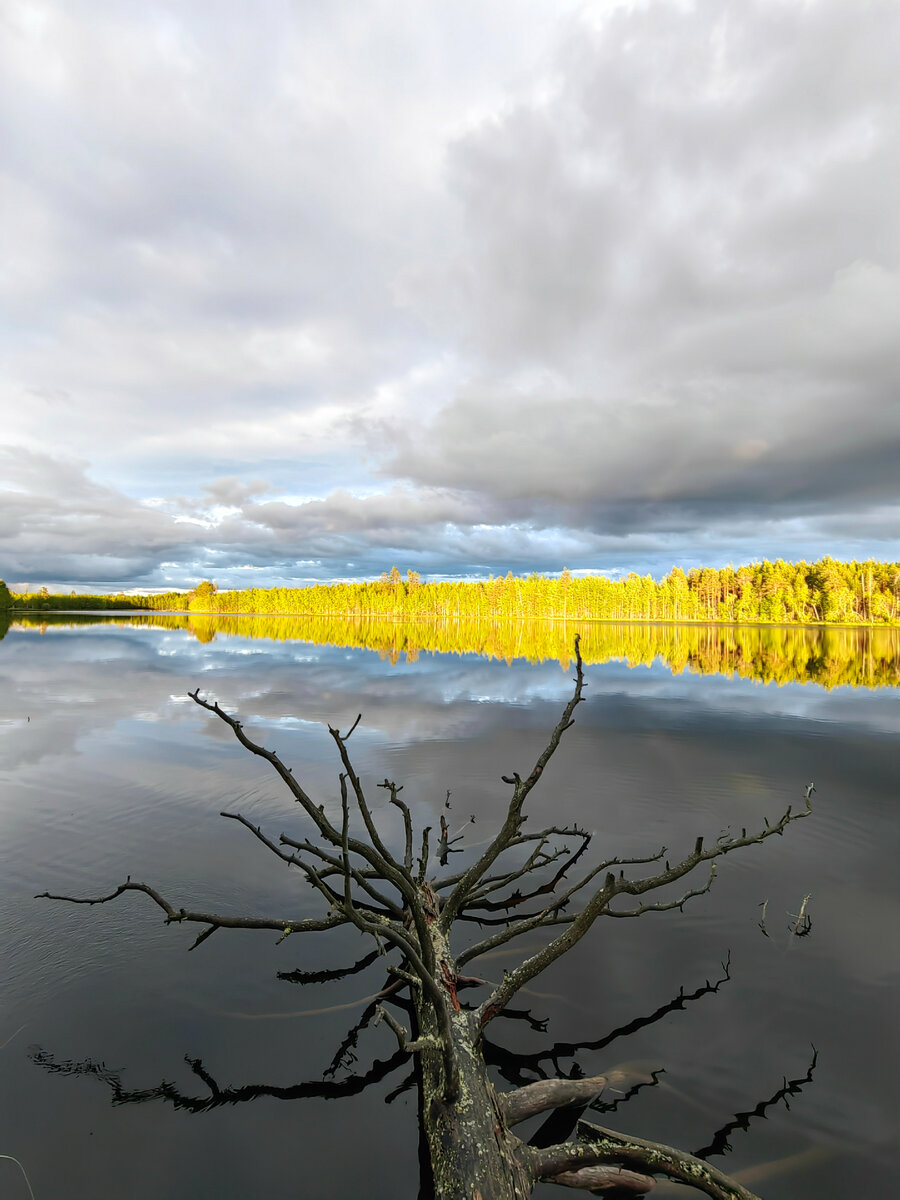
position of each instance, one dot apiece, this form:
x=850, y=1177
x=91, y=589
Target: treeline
x=824, y=592
x=831, y=657
x=44, y=601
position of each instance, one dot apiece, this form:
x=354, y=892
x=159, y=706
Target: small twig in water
x=10, y=1158
x=11, y=1036
x=802, y=920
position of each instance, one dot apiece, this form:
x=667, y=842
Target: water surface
x=108, y=770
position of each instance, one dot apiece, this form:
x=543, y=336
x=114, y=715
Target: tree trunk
x=466, y=1125
x=473, y=1154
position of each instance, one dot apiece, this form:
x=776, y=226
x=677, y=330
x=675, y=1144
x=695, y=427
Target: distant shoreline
x=826, y=593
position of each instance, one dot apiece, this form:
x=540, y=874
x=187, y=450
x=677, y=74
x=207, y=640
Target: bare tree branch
x=334, y=866
x=386, y=907
x=545, y=1094
x=216, y=920
x=468, y=1125
x=536, y=860
x=316, y=814
x=513, y=822
x=579, y=923
x=402, y=1035
x=423, y=857
x=407, y=822
x=548, y=916
x=604, y=1179
x=385, y=866
x=598, y=1146
x=388, y=859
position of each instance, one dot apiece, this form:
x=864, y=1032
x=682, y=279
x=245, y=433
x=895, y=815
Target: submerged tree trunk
x=472, y=1153
x=522, y=883
x=467, y=1125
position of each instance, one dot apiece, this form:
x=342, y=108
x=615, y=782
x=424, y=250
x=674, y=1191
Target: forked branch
x=213, y=920
x=600, y=1146
x=512, y=824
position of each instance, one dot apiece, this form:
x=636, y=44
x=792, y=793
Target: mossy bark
x=472, y=1152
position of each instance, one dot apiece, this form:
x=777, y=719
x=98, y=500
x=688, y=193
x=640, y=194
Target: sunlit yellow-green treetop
x=824, y=592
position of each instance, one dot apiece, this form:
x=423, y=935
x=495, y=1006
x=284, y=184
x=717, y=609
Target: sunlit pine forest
x=824, y=592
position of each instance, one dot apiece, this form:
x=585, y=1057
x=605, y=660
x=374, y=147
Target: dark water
x=107, y=770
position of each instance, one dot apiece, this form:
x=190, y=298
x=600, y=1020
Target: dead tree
x=523, y=882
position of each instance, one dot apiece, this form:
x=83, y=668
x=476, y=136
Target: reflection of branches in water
x=327, y=976
x=790, y=1087
x=345, y=1055
x=404, y=1086
x=513, y=1065
x=538, y=1024
x=560, y=1124
x=562, y=1121
x=557, y=1127
x=651, y=1079
x=323, y=1089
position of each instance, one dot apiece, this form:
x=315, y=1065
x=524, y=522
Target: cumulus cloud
x=613, y=286
x=680, y=280
x=691, y=162
x=232, y=493
x=58, y=524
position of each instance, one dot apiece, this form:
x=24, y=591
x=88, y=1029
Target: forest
x=823, y=592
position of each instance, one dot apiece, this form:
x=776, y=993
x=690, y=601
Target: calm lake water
x=108, y=770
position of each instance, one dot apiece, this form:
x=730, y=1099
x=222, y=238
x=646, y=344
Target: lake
x=108, y=770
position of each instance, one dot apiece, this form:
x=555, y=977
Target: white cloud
x=480, y=285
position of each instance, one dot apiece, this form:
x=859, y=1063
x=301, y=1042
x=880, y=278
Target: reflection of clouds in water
x=81, y=681
x=447, y=679
x=864, y=922
x=875, y=709
x=123, y=767
x=73, y=686
x=98, y=668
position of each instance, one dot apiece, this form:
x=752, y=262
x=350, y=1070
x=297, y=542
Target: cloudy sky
x=295, y=291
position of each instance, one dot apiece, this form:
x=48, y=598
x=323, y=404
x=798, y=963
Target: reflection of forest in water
x=830, y=656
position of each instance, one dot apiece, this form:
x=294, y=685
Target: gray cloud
x=681, y=278
x=57, y=524
x=232, y=492
x=702, y=443
x=690, y=163
x=458, y=287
